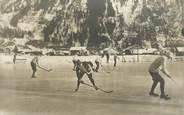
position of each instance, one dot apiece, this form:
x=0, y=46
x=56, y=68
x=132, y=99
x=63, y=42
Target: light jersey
x=35, y=60
x=75, y=58
x=159, y=62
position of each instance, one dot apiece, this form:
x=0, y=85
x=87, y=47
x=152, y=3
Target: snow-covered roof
x=180, y=49
x=110, y=50
x=77, y=48
x=65, y=52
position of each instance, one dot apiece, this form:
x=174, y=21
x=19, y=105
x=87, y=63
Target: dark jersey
x=85, y=66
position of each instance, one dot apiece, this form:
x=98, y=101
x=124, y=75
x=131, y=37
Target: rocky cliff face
x=89, y=22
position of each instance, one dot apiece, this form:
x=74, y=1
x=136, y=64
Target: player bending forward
x=83, y=68
x=34, y=64
x=155, y=68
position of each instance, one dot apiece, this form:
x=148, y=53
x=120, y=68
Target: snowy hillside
x=89, y=22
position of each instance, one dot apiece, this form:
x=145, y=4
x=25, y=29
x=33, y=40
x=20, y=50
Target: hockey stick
x=105, y=69
x=105, y=91
x=48, y=70
x=169, y=77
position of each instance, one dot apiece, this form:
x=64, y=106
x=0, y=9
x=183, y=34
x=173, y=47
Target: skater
x=15, y=51
x=34, y=64
x=107, y=56
x=14, y=57
x=154, y=71
x=115, y=60
x=74, y=60
x=106, y=53
x=83, y=68
x=98, y=62
x=123, y=57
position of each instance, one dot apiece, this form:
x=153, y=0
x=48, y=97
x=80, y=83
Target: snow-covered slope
x=85, y=22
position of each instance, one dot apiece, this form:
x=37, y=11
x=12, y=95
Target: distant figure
x=154, y=70
x=15, y=51
x=123, y=58
x=74, y=60
x=98, y=62
x=14, y=57
x=107, y=56
x=83, y=68
x=115, y=60
x=34, y=64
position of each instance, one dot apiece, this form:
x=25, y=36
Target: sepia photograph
x=91, y=57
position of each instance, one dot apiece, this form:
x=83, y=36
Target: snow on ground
x=5, y=20
x=20, y=41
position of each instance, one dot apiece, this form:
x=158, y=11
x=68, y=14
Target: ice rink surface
x=52, y=93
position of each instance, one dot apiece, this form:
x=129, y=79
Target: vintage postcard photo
x=91, y=57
